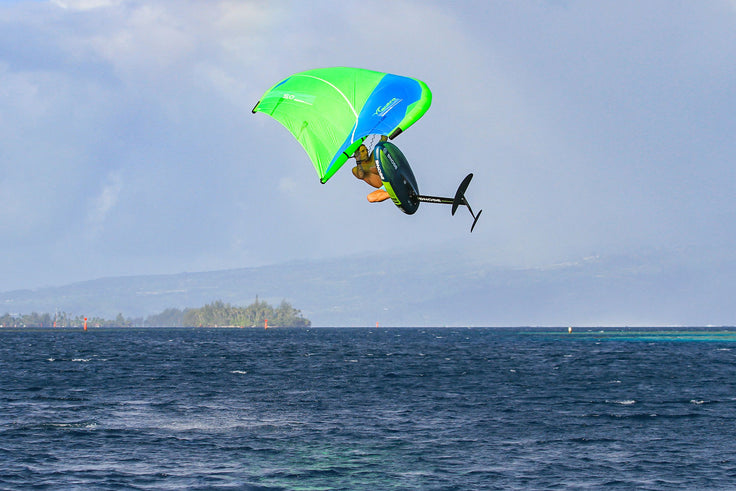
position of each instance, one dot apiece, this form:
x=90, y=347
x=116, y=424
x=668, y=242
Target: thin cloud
x=85, y=4
x=104, y=203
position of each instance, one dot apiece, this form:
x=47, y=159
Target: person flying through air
x=366, y=170
x=312, y=106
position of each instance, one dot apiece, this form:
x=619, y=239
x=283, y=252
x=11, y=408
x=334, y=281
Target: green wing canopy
x=330, y=111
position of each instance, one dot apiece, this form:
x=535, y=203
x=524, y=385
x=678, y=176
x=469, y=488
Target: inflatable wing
x=330, y=111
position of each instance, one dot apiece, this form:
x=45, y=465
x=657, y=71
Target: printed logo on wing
x=381, y=111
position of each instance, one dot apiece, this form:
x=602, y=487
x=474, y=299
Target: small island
x=216, y=314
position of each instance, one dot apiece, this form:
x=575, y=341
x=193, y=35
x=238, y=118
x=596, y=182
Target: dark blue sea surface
x=367, y=409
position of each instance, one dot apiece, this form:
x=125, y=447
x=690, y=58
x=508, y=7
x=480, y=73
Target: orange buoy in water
x=85, y=323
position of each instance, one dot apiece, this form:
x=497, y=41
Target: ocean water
x=367, y=409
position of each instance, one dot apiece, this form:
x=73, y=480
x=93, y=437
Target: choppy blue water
x=367, y=409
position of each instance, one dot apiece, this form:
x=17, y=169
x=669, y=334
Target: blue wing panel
x=383, y=111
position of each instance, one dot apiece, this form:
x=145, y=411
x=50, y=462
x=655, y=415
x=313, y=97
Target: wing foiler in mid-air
x=333, y=111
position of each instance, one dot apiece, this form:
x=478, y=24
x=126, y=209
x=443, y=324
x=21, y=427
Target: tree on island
x=63, y=319
x=225, y=314
x=216, y=314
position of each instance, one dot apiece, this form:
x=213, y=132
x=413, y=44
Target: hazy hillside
x=420, y=290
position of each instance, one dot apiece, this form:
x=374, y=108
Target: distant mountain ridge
x=425, y=290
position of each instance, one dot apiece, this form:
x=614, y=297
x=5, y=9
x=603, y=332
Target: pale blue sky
x=128, y=145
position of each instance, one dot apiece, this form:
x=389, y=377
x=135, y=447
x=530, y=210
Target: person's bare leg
x=378, y=195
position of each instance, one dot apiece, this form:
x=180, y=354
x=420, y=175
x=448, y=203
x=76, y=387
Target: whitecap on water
x=73, y=425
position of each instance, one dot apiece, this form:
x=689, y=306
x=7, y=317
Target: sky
x=128, y=145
